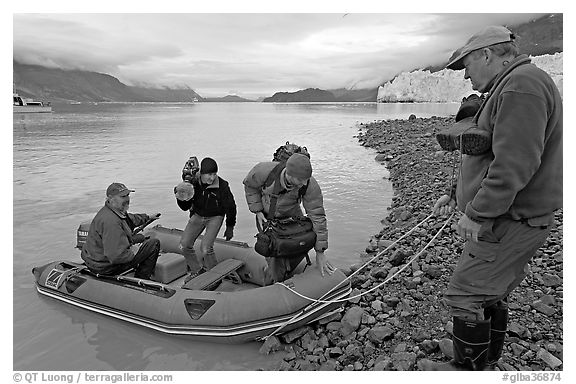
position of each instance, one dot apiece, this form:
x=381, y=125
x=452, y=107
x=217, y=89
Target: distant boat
x=22, y=105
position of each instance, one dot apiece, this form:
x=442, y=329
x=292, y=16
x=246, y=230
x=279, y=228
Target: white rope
x=319, y=300
x=375, y=257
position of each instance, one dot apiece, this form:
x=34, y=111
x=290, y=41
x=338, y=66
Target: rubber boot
x=498, y=315
x=466, y=137
x=471, y=339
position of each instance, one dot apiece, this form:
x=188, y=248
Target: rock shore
x=405, y=321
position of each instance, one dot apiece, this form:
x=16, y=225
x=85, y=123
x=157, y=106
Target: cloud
x=255, y=54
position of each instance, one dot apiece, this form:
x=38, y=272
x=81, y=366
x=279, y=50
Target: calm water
x=63, y=162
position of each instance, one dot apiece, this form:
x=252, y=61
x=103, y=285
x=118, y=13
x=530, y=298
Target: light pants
x=488, y=270
x=197, y=224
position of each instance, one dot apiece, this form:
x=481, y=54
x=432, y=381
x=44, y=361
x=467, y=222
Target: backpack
x=284, y=152
x=281, y=156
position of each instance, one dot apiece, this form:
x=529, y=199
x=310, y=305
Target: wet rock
x=369, y=349
x=334, y=326
x=378, y=334
x=355, y=296
x=392, y=302
x=517, y=349
x=429, y=346
x=405, y=215
x=358, y=280
x=433, y=272
x=272, y=344
x=383, y=365
x=335, y=351
x=379, y=273
x=551, y=280
x=400, y=348
x=446, y=347
x=383, y=243
x=329, y=365
x=449, y=327
x=309, y=366
x=290, y=356
x=377, y=305
x=367, y=319
x=543, y=308
x=420, y=335
x=351, y=320
x=550, y=360
x=404, y=361
x=291, y=336
x=398, y=258
x=548, y=300
x=516, y=329
x=284, y=366
x=381, y=157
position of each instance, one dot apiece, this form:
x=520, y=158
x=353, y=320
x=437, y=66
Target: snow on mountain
x=448, y=85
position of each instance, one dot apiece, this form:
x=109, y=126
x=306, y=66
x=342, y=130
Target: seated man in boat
x=209, y=199
x=107, y=250
x=296, y=186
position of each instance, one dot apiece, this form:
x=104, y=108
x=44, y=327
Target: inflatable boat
x=231, y=303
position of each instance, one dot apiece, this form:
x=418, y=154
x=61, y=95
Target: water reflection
x=111, y=344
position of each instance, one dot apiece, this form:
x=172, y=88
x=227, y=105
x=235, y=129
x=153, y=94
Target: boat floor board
x=214, y=275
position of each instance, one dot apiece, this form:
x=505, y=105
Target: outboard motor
x=82, y=234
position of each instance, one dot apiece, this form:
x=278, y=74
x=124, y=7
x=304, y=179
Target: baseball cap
x=493, y=34
x=118, y=189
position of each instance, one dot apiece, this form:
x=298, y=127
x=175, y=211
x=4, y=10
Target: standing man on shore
x=508, y=194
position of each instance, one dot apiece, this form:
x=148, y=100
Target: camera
x=190, y=169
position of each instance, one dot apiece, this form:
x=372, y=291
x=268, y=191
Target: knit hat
x=491, y=35
x=208, y=165
x=298, y=165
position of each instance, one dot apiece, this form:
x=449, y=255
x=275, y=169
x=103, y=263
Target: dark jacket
x=288, y=204
x=521, y=177
x=215, y=199
x=110, y=238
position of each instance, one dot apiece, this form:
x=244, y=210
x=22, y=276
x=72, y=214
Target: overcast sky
x=247, y=54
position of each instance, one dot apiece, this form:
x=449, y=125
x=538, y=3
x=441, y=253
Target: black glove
x=229, y=233
x=139, y=238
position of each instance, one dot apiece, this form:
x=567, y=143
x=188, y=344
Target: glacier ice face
x=450, y=86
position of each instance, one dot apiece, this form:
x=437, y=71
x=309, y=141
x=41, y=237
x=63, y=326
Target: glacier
x=447, y=86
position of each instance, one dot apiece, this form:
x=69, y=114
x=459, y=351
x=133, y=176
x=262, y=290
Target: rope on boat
x=379, y=285
x=319, y=300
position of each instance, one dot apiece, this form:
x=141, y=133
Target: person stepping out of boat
x=292, y=183
x=107, y=250
x=209, y=199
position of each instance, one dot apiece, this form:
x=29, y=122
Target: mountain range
x=537, y=37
